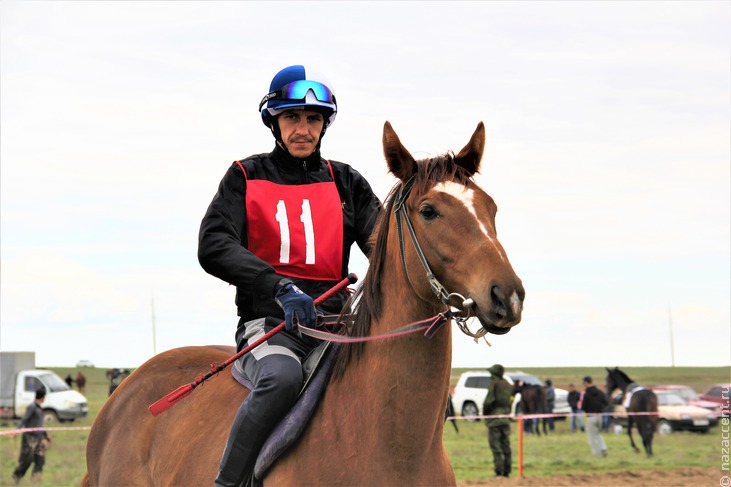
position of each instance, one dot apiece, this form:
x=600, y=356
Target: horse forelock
x=365, y=305
x=436, y=170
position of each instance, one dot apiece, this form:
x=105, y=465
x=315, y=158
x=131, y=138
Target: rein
x=431, y=325
x=399, y=210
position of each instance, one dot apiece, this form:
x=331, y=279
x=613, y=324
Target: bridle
x=429, y=325
x=466, y=304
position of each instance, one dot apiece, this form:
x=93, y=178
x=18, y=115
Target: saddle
x=631, y=389
x=317, y=367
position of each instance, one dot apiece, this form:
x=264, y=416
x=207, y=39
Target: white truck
x=19, y=380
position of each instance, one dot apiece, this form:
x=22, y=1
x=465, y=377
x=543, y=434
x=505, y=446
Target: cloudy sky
x=608, y=154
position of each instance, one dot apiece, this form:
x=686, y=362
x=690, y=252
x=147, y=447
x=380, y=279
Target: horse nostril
x=498, y=302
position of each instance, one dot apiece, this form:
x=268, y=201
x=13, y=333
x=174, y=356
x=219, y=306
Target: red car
x=689, y=396
x=718, y=394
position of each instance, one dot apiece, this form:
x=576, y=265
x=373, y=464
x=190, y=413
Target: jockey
x=280, y=228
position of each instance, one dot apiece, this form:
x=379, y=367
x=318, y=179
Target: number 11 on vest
x=306, y=219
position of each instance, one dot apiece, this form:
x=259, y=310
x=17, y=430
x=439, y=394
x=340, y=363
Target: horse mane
x=365, y=305
x=618, y=373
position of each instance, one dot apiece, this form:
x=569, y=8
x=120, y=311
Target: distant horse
x=533, y=401
x=641, y=400
x=80, y=382
x=380, y=421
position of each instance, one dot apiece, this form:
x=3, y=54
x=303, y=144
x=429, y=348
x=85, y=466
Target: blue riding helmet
x=295, y=87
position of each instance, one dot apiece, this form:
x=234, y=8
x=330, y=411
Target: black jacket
x=33, y=418
x=573, y=398
x=222, y=239
x=594, y=400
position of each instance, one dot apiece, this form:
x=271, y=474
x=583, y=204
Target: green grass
x=560, y=453
x=564, y=452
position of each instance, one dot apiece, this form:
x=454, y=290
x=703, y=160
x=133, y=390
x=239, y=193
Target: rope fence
x=553, y=415
x=520, y=418
x=60, y=428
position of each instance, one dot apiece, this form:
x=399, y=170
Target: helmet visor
x=297, y=90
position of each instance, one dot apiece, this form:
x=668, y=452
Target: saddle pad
x=631, y=389
x=290, y=427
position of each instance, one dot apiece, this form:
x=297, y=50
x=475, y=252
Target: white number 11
x=309, y=230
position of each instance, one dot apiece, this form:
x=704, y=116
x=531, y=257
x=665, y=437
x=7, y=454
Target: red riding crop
x=182, y=391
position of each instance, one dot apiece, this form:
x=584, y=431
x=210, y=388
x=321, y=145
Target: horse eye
x=428, y=212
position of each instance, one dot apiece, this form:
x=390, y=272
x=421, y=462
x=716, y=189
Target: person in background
x=497, y=403
x=280, y=228
x=593, y=404
x=550, y=402
x=33, y=447
x=576, y=419
x=69, y=380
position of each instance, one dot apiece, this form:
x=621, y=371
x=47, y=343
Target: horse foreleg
x=629, y=432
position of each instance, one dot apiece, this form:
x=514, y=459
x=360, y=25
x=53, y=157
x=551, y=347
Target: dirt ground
x=682, y=477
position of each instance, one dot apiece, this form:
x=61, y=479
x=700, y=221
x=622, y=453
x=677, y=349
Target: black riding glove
x=298, y=307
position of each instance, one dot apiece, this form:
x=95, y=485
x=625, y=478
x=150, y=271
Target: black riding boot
x=277, y=385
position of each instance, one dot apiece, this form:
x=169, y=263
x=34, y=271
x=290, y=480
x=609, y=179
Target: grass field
x=560, y=453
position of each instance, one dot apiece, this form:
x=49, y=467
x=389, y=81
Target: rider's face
x=300, y=131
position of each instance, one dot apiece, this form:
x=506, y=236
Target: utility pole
x=672, y=343
x=154, y=334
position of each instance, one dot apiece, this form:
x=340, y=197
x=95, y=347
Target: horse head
x=451, y=222
x=616, y=379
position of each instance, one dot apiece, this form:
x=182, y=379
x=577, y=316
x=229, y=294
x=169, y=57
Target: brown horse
x=533, y=401
x=367, y=429
x=80, y=382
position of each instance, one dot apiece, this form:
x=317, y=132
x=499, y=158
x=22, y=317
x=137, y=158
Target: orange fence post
x=520, y=447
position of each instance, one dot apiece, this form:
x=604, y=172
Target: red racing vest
x=298, y=229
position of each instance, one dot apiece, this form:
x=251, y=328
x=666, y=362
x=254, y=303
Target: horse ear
x=399, y=160
x=471, y=155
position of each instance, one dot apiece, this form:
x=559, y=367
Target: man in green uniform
x=33, y=449
x=498, y=401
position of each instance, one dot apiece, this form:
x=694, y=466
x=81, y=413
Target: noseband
x=466, y=304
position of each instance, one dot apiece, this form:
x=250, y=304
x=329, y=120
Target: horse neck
x=620, y=383
x=406, y=298
x=411, y=368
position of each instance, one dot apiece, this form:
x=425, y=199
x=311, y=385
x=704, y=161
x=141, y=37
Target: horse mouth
x=488, y=324
x=494, y=329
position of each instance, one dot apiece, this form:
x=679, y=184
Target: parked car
x=470, y=392
x=561, y=404
x=688, y=395
x=719, y=395
x=85, y=363
x=674, y=414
